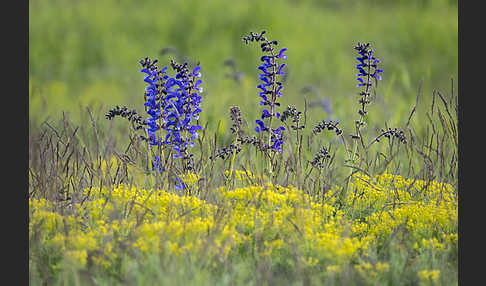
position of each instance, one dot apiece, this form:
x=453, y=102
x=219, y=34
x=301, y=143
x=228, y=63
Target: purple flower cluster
x=270, y=88
x=172, y=104
x=182, y=106
x=153, y=94
x=155, y=78
x=368, y=70
x=367, y=67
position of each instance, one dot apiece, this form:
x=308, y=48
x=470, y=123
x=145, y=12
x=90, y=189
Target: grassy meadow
x=326, y=210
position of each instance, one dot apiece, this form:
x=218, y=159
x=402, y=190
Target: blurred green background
x=86, y=53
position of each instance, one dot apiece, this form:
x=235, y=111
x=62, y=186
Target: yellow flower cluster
x=368, y=270
x=267, y=220
x=428, y=276
x=190, y=180
x=382, y=205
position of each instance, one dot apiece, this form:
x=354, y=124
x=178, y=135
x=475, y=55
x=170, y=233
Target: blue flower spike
x=270, y=69
x=173, y=104
x=367, y=71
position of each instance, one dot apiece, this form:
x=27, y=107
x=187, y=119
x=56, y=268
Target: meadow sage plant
x=270, y=88
x=367, y=71
x=183, y=106
x=172, y=105
x=154, y=105
x=368, y=77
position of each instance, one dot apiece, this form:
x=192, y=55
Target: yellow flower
x=429, y=275
x=331, y=269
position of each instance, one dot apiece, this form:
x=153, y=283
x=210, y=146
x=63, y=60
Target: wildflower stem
x=272, y=103
x=230, y=177
x=360, y=122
